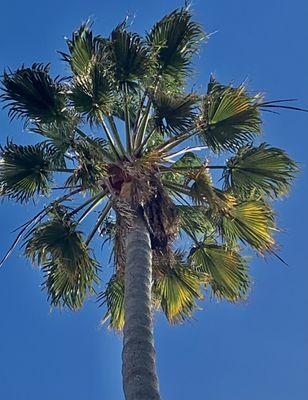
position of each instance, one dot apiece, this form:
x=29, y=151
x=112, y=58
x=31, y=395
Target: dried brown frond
x=163, y=219
x=140, y=188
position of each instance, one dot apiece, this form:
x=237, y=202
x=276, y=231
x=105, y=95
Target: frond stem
x=34, y=220
x=143, y=125
x=94, y=204
x=139, y=113
x=86, y=137
x=145, y=141
x=177, y=188
x=175, y=141
x=184, y=151
x=116, y=134
x=127, y=121
x=194, y=167
x=99, y=222
x=110, y=139
x=89, y=201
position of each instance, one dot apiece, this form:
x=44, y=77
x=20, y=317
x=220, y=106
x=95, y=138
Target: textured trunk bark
x=140, y=380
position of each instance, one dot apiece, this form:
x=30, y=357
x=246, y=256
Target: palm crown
x=150, y=153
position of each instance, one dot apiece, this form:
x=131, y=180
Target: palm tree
x=125, y=139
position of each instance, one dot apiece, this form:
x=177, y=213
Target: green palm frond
x=203, y=192
x=129, y=56
x=227, y=271
x=92, y=167
x=229, y=117
x=92, y=95
x=62, y=131
x=122, y=128
x=174, y=40
x=87, y=176
x=194, y=220
x=113, y=298
x=84, y=49
x=175, y=114
x=58, y=248
x=252, y=222
x=133, y=106
x=25, y=170
x=112, y=231
x=177, y=289
x=189, y=160
x=32, y=94
x=60, y=135
x=266, y=169
x=181, y=170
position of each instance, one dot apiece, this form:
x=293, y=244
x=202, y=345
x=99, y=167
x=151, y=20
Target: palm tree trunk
x=139, y=372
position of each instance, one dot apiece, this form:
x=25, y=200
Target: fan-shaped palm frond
x=60, y=135
x=87, y=176
x=25, y=170
x=266, y=169
x=92, y=166
x=58, y=248
x=202, y=191
x=177, y=289
x=252, y=222
x=175, y=114
x=92, y=95
x=174, y=40
x=129, y=56
x=194, y=220
x=83, y=176
x=113, y=298
x=226, y=270
x=32, y=94
x=229, y=117
x=62, y=131
x=85, y=49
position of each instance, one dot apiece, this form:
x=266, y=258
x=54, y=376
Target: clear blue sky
x=254, y=351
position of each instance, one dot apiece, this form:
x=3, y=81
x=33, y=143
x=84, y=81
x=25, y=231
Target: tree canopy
x=123, y=130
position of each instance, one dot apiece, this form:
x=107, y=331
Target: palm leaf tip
x=129, y=56
x=70, y=272
x=32, y=94
x=25, y=170
x=268, y=170
x=229, y=117
x=82, y=47
x=226, y=270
